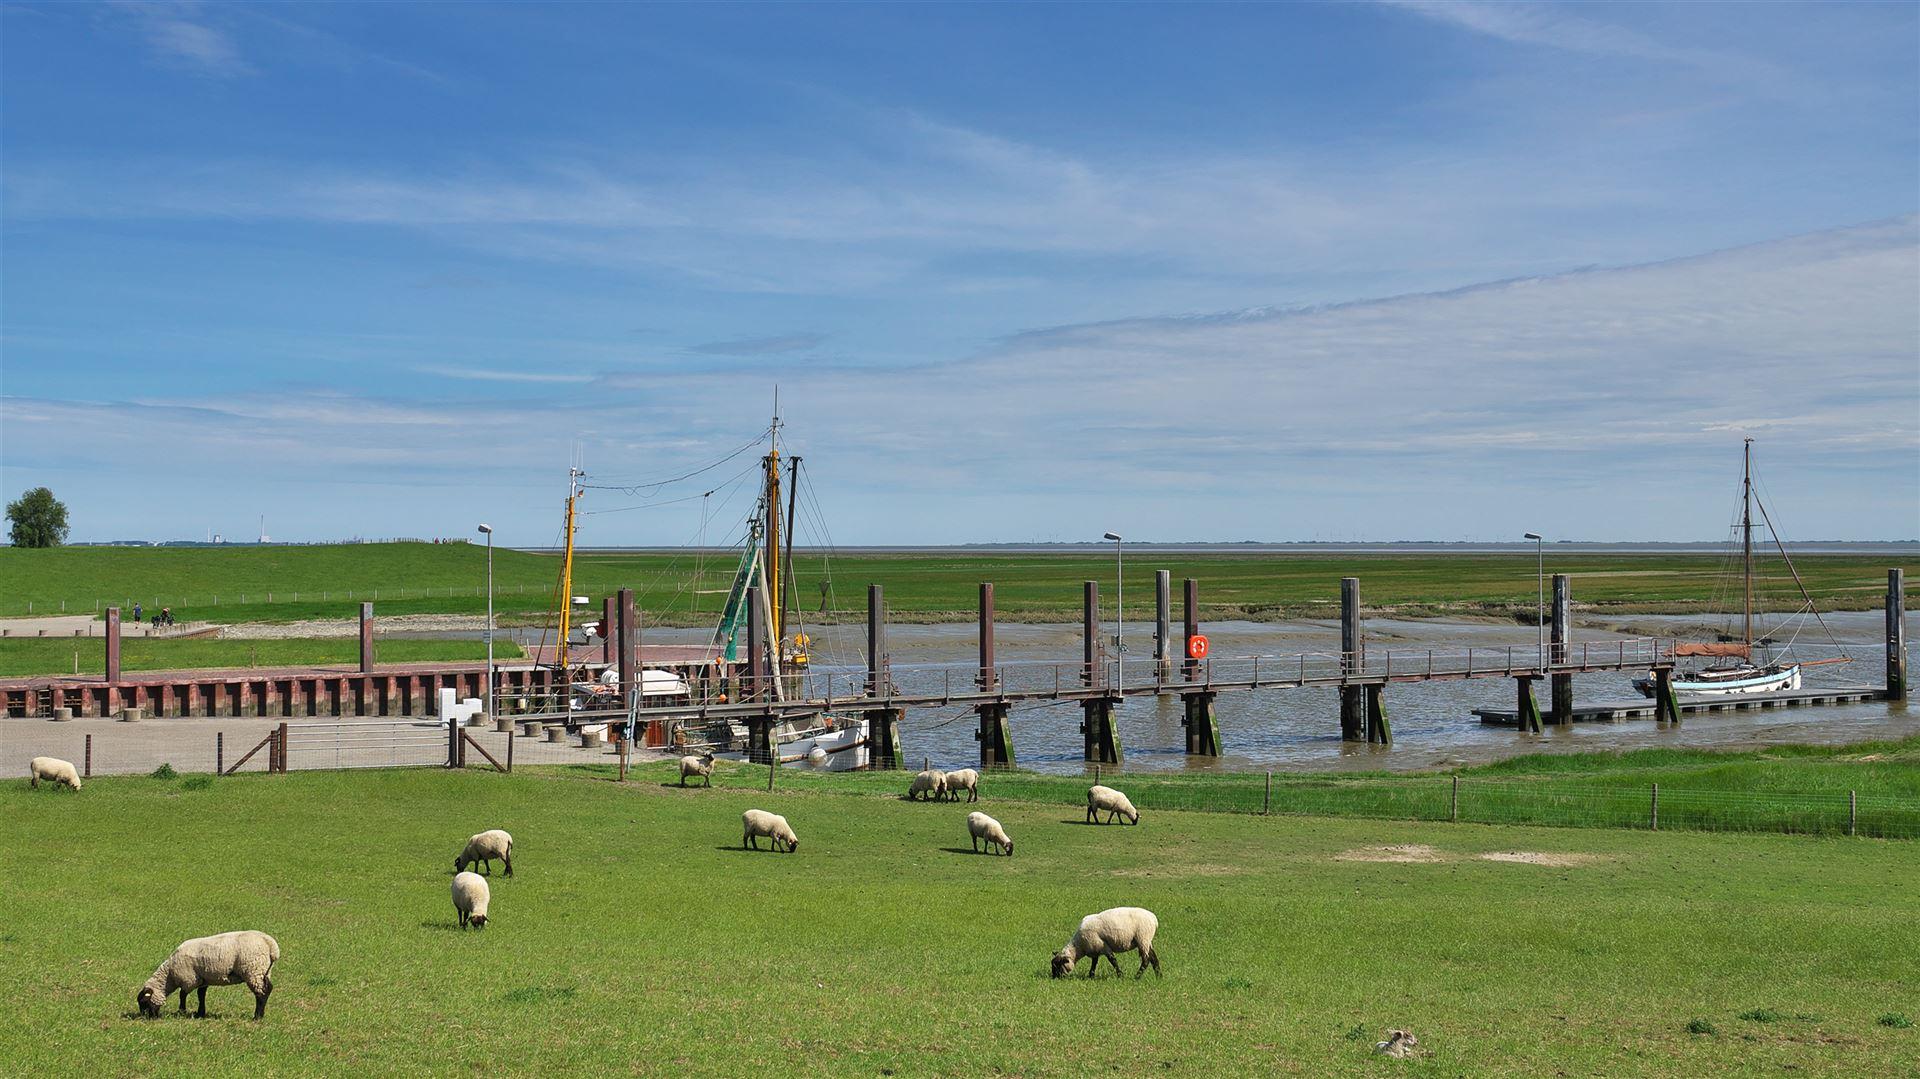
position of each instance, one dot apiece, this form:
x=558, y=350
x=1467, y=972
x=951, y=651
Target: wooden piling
x=1353, y=705
x=1561, y=640
x=1190, y=667
x=1379, y=727
x=1528, y=708
x=1202, y=724
x=609, y=636
x=1162, y=645
x=1896, y=635
x=1666, y=706
x=1101, y=740
x=113, y=645
x=996, y=740
x=626, y=643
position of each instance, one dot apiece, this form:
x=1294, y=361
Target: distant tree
x=39, y=519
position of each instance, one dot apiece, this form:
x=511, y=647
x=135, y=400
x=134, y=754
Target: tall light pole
x=1540, y=611
x=487, y=531
x=1119, y=611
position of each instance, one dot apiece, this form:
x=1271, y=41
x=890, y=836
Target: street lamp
x=1119, y=612
x=487, y=531
x=1540, y=611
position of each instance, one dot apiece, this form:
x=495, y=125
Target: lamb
x=1112, y=803
x=482, y=849
x=1110, y=933
x=981, y=826
x=470, y=898
x=759, y=822
x=932, y=783
x=966, y=779
x=224, y=959
x=701, y=766
x=53, y=770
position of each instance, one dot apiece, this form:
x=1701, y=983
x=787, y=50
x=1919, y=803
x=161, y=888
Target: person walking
x=136, y=610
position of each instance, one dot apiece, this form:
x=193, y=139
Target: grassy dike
x=637, y=938
x=244, y=584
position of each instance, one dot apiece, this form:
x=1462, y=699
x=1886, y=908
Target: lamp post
x=487, y=531
x=1119, y=611
x=1540, y=611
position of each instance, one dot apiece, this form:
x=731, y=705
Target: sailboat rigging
x=1743, y=673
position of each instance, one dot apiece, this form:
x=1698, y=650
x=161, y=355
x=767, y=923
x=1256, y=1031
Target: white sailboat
x=1740, y=666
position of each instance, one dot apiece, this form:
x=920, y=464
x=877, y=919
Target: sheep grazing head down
x=1062, y=963
x=148, y=1000
x=478, y=921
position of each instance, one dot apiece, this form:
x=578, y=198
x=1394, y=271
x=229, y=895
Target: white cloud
x=1556, y=26
x=182, y=34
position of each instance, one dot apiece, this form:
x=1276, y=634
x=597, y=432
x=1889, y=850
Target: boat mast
x=776, y=617
x=574, y=476
x=1746, y=529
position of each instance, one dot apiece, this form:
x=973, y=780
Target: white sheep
x=697, y=766
x=931, y=783
x=966, y=779
x=470, y=898
x=759, y=822
x=224, y=959
x=1111, y=933
x=53, y=770
x=482, y=849
x=1112, y=803
x=981, y=826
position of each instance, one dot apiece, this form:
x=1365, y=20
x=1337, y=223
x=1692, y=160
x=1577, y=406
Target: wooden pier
x=1615, y=711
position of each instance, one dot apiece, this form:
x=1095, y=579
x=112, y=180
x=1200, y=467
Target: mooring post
x=1561, y=640
x=609, y=635
x=1896, y=635
x=113, y=645
x=1666, y=707
x=366, y=638
x=1379, y=728
x=1200, y=719
x=1101, y=740
x=86, y=766
x=759, y=727
x=996, y=741
x=883, y=724
x=626, y=643
x=1353, y=704
x=1162, y=624
x=219, y=753
x=1527, y=712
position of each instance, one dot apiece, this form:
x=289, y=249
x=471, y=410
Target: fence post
x=1653, y=820
x=1853, y=812
x=1453, y=808
x=1266, y=804
x=510, y=740
x=219, y=753
x=1096, y=771
x=87, y=767
x=772, y=766
x=453, y=740
x=623, y=760
x=283, y=748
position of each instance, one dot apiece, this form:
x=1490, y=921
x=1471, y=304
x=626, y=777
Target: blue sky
x=1342, y=271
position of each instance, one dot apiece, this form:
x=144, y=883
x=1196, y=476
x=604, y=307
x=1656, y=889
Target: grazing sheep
x=759, y=822
x=482, y=849
x=966, y=779
x=53, y=770
x=1110, y=933
x=931, y=783
x=701, y=766
x=1112, y=803
x=981, y=826
x=470, y=898
x=224, y=959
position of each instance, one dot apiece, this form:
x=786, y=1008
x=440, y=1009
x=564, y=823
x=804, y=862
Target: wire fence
x=226, y=746
x=193, y=601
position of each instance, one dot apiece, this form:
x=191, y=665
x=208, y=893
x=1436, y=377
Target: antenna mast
x=1746, y=530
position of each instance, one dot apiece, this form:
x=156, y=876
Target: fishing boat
x=763, y=586
x=1743, y=665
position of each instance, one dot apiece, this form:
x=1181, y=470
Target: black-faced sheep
x=980, y=826
x=701, y=766
x=470, y=898
x=1111, y=933
x=930, y=785
x=246, y=957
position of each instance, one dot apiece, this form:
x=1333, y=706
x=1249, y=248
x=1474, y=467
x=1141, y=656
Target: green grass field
x=22, y=656
x=285, y=583
x=637, y=938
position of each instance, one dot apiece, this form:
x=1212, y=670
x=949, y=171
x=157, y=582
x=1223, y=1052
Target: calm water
x=1299, y=729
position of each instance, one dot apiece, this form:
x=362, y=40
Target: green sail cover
x=734, y=616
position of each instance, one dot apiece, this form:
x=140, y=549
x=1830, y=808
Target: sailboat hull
x=1762, y=680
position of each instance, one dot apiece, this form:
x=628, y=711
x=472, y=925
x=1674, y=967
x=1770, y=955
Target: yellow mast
x=566, y=568
x=774, y=613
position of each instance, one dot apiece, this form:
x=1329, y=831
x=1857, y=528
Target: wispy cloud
x=1558, y=26
x=184, y=34
x=761, y=346
x=487, y=374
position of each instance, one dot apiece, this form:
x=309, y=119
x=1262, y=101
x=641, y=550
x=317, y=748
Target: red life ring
x=1197, y=646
